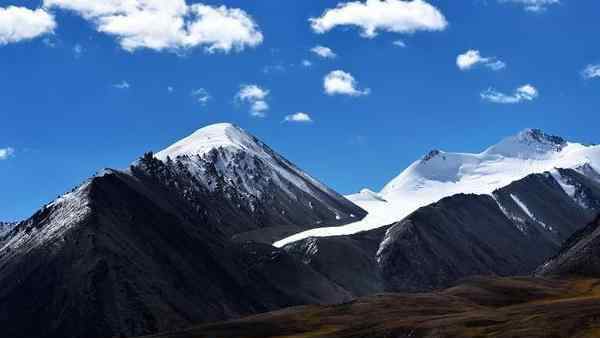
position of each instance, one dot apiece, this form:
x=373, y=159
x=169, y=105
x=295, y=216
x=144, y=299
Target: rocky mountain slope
x=6, y=227
x=579, y=256
x=510, y=232
x=150, y=248
x=274, y=196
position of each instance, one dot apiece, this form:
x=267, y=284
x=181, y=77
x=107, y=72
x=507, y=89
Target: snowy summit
x=441, y=174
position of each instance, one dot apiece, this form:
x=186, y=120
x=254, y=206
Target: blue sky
x=75, y=99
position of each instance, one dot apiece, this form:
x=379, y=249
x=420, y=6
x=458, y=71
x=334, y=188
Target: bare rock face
x=511, y=232
x=580, y=255
x=123, y=256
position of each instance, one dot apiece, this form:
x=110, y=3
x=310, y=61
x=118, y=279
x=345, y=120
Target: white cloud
x=523, y=93
x=167, y=25
x=533, y=5
x=20, y=23
x=122, y=85
x=6, y=153
x=170, y=89
x=324, y=52
x=591, y=72
x=201, y=95
x=399, y=43
x=306, y=63
x=371, y=16
x=299, y=118
x=342, y=83
x=256, y=97
x=472, y=58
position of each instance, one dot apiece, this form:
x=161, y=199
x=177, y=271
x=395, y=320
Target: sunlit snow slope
x=440, y=174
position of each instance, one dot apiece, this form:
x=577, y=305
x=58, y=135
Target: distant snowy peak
x=528, y=144
x=530, y=151
x=441, y=174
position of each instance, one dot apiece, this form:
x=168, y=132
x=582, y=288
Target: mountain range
x=219, y=226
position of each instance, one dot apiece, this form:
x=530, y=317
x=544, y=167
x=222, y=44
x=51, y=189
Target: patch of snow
x=528, y=212
x=570, y=189
x=516, y=220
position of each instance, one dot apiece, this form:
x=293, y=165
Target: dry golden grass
x=479, y=307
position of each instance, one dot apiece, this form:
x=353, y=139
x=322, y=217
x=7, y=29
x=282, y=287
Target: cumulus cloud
x=521, y=94
x=122, y=85
x=6, y=153
x=591, y=72
x=167, y=25
x=533, y=5
x=299, y=118
x=306, y=63
x=473, y=58
x=371, y=16
x=339, y=82
x=324, y=52
x=20, y=24
x=201, y=95
x=256, y=97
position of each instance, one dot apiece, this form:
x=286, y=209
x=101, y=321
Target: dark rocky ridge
x=461, y=236
x=466, y=235
x=128, y=254
x=579, y=256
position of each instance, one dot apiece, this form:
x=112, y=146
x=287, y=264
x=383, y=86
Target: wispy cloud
x=521, y=94
x=372, y=16
x=256, y=97
x=77, y=50
x=473, y=58
x=201, y=96
x=339, y=82
x=306, y=63
x=6, y=153
x=299, y=118
x=533, y=5
x=591, y=72
x=399, y=43
x=122, y=85
x=324, y=52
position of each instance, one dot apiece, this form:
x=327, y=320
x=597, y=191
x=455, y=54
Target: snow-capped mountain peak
x=530, y=143
x=221, y=135
x=227, y=160
x=441, y=174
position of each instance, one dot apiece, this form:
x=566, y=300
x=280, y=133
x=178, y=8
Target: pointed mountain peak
x=537, y=135
x=431, y=155
x=220, y=135
x=529, y=143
